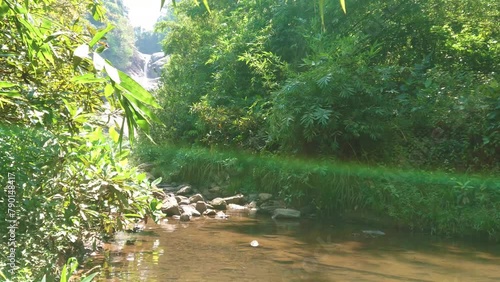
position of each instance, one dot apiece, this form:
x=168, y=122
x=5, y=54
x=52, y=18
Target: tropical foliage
x=407, y=83
x=60, y=151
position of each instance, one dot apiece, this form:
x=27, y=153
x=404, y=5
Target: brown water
x=209, y=249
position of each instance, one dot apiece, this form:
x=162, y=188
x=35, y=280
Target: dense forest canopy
x=409, y=83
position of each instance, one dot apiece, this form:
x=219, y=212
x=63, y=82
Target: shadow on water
x=207, y=249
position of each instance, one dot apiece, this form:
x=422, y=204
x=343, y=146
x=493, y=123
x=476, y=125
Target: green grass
x=436, y=202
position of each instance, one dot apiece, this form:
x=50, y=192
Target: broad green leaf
x=4, y=9
x=5, y=84
x=113, y=134
x=82, y=51
x=112, y=72
x=156, y=181
x=100, y=35
x=89, y=278
x=109, y=90
x=88, y=78
x=136, y=90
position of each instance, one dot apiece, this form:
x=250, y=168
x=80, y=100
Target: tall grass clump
x=435, y=202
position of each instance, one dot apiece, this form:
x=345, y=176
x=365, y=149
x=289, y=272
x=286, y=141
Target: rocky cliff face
x=146, y=68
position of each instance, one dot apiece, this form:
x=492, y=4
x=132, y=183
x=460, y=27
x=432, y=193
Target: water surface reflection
x=207, y=249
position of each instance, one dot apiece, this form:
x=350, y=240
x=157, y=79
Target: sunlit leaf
x=112, y=72
x=100, y=34
x=82, y=51
x=136, y=90
x=89, y=278
x=342, y=4
x=88, y=78
x=98, y=62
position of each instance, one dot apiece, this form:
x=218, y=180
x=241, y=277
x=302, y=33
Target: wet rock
x=196, y=198
x=167, y=188
x=209, y=212
x=219, y=204
x=185, y=217
x=221, y=215
x=156, y=56
x=179, y=198
x=286, y=213
x=201, y=206
x=209, y=206
x=184, y=202
x=155, y=67
x=263, y=197
x=251, y=205
x=236, y=199
x=176, y=217
x=236, y=208
x=170, y=206
x=190, y=210
x=184, y=190
x=270, y=206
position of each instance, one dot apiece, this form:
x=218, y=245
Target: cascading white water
x=145, y=80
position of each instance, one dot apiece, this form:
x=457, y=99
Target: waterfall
x=145, y=79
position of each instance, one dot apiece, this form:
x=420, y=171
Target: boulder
x=184, y=190
x=221, y=215
x=236, y=199
x=270, y=206
x=185, y=217
x=179, y=198
x=263, y=197
x=196, y=198
x=286, y=213
x=156, y=56
x=219, y=204
x=170, y=206
x=201, y=206
x=236, y=208
x=190, y=210
x=155, y=68
x=251, y=205
x=184, y=202
x=209, y=212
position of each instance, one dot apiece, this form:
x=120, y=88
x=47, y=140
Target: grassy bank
x=440, y=203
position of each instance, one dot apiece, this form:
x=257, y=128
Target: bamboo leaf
x=205, y=2
x=100, y=35
x=98, y=62
x=342, y=4
x=322, y=13
x=89, y=278
x=88, y=78
x=136, y=90
x=112, y=72
x=82, y=51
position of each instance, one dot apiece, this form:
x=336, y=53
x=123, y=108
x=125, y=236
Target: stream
x=208, y=249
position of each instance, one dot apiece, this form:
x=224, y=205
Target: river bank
x=431, y=202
